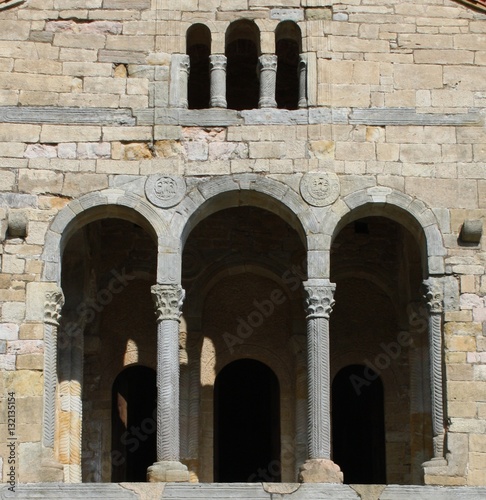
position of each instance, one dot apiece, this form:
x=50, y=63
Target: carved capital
x=217, y=62
x=184, y=63
x=268, y=62
x=52, y=307
x=168, y=301
x=434, y=294
x=319, y=298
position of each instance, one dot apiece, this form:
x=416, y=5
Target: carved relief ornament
x=319, y=298
x=52, y=307
x=168, y=301
x=165, y=191
x=320, y=189
x=434, y=295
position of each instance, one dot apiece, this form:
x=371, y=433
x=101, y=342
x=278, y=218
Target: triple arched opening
x=242, y=52
x=239, y=257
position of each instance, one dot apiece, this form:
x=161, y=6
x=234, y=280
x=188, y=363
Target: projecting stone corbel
x=471, y=231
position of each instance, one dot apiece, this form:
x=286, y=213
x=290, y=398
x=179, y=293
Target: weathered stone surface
x=25, y=114
x=432, y=493
x=74, y=491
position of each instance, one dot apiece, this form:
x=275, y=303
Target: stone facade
x=322, y=210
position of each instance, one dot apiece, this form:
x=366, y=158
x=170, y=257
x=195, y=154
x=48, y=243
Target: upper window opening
x=198, y=48
x=242, y=52
x=288, y=43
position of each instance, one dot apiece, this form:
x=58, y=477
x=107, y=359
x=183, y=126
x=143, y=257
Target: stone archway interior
x=358, y=425
x=134, y=424
x=108, y=324
x=380, y=321
x=247, y=423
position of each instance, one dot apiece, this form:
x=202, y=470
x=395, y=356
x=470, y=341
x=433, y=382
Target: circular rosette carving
x=165, y=191
x=320, y=189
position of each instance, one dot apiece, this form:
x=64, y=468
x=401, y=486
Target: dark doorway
x=358, y=425
x=246, y=423
x=134, y=424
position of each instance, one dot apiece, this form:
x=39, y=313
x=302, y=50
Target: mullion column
x=319, y=302
x=168, y=302
x=268, y=81
x=217, y=64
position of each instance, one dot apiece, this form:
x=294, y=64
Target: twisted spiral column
x=268, y=80
x=52, y=314
x=434, y=296
x=168, y=302
x=319, y=301
x=217, y=92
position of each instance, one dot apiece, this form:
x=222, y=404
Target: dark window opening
x=198, y=49
x=288, y=46
x=134, y=424
x=247, y=423
x=242, y=52
x=358, y=425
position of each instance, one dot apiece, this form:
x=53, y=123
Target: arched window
x=198, y=48
x=288, y=43
x=242, y=52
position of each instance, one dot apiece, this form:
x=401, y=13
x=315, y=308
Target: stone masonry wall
x=396, y=93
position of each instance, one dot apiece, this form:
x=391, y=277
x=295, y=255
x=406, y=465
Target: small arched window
x=198, y=48
x=242, y=52
x=288, y=43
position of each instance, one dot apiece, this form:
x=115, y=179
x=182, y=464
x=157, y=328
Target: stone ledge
x=65, y=116
x=241, y=491
x=227, y=117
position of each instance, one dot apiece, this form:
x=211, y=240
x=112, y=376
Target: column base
x=51, y=471
x=167, y=472
x=320, y=470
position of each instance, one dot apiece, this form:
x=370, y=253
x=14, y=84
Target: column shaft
x=268, y=81
x=435, y=296
x=319, y=429
x=319, y=302
x=302, y=69
x=168, y=301
x=168, y=390
x=217, y=91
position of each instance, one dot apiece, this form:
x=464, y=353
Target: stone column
x=52, y=315
x=302, y=69
x=319, y=467
x=168, y=302
x=180, y=65
x=434, y=296
x=268, y=80
x=52, y=470
x=217, y=64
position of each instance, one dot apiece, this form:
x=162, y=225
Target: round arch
x=244, y=190
x=92, y=207
x=411, y=213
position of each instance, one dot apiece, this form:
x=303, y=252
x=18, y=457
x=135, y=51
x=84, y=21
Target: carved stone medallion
x=165, y=191
x=320, y=189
